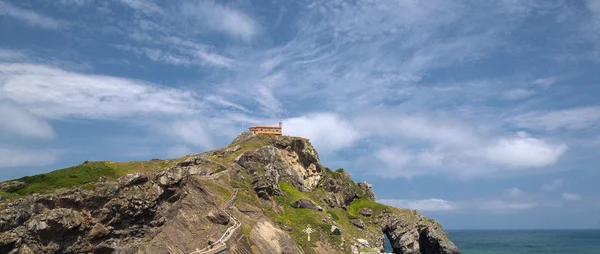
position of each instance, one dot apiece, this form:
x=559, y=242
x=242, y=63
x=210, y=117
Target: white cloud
x=177, y=51
x=432, y=204
x=54, y=93
x=570, y=119
x=514, y=192
x=571, y=196
x=10, y=55
x=438, y=145
x=190, y=132
x=434, y=129
x=221, y=101
x=19, y=122
x=29, y=17
x=544, y=82
x=328, y=132
x=220, y=18
x=75, y=2
x=518, y=94
x=500, y=206
x=594, y=7
x=552, y=186
x=265, y=95
x=144, y=6
x=17, y=157
x=395, y=156
x=522, y=151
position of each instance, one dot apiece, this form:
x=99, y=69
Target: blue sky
x=481, y=114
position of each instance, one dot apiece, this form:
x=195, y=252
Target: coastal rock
x=132, y=179
x=98, y=231
x=344, y=190
x=367, y=212
x=368, y=191
x=363, y=242
x=292, y=160
x=218, y=217
x=415, y=237
x=358, y=223
x=10, y=185
x=303, y=203
x=335, y=230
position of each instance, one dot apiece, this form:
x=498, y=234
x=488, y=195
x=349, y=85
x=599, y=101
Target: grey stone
x=358, y=223
x=10, y=184
x=303, y=203
x=335, y=230
x=367, y=212
x=218, y=217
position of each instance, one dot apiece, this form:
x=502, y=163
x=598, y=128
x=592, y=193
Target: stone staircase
x=231, y=235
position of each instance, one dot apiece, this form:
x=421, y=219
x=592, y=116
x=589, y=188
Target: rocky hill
x=256, y=195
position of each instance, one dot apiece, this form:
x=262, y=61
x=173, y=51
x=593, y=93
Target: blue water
x=525, y=241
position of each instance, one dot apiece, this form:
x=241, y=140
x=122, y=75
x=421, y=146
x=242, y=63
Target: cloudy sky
x=481, y=114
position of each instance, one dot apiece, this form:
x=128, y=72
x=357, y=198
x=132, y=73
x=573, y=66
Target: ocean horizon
x=524, y=241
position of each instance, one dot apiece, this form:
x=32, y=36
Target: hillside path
x=221, y=244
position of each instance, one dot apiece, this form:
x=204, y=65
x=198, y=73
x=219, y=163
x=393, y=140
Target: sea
x=524, y=241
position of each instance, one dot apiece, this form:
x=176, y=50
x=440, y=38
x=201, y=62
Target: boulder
x=98, y=231
x=367, y=212
x=330, y=202
x=218, y=217
x=132, y=179
x=335, y=230
x=363, y=242
x=303, y=203
x=318, y=208
x=212, y=240
x=358, y=223
x=367, y=188
x=10, y=184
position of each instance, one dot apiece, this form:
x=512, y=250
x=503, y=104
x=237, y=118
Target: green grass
x=250, y=145
x=220, y=169
x=64, y=178
x=359, y=203
x=84, y=176
x=334, y=215
x=299, y=218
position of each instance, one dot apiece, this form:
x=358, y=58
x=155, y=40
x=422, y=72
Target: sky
x=480, y=114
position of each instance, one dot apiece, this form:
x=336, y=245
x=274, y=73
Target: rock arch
x=415, y=234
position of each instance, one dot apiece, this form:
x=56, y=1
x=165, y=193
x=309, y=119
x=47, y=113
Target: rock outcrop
x=218, y=217
x=343, y=190
x=358, y=223
x=335, y=230
x=303, y=203
x=367, y=212
x=114, y=217
x=291, y=160
x=420, y=236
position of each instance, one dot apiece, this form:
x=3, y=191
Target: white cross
x=308, y=230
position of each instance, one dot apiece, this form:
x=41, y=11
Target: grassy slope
x=83, y=175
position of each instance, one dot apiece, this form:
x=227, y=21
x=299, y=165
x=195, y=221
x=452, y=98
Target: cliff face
x=190, y=206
